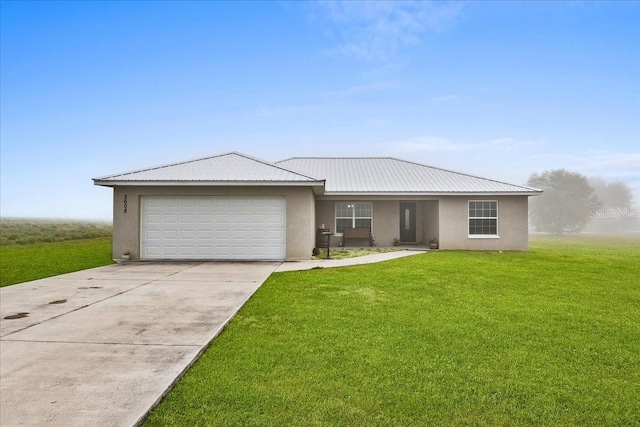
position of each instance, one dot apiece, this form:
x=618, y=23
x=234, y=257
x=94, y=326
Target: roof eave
x=114, y=183
x=432, y=193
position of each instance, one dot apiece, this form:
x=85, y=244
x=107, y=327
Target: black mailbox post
x=323, y=240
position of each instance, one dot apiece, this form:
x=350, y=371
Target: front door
x=408, y=222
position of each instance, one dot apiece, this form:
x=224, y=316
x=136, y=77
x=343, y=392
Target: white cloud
x=601, y=162
x=375, y=31
x=621, y=163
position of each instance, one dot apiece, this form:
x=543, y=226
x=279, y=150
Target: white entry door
x=216, y=228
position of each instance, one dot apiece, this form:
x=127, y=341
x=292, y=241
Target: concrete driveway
x=99, y=347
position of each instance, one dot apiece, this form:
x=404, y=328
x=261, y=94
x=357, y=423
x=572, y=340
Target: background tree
x=611, y=194
x=565, y=204
x=615, y=198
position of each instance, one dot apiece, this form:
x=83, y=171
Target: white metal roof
x=230, y=168
x=392, y=176
x=336, y=175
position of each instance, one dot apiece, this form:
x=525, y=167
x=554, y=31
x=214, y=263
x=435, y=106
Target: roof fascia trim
x=109, y=183
x=445, y=193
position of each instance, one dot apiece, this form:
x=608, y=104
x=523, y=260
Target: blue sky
x=496, y=89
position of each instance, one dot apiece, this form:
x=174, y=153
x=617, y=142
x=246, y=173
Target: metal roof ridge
x=467, y=174
x=121, y=174
x=422, y=165
x=336, y=158
x=102, y=178
x=275, y=165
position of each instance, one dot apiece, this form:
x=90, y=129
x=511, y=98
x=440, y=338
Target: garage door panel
x=187, y=218
x=241, y=218
x=240, y=204
x=273, y=251
x=170, y=219
x=170, y=234
x=169, y=250
x=239, y=234
x=170, y=203
x=151, y=252
x=274, y=235
x=222, y=219
x=205, y=218
x=222, y=251
x=153, y=218
x=205, y=234
x=239, y=251
x=153, y=234
x=155, y=203
x=222, y=234
x=187, y=250
x=188, y=234
x=205, y=251
x=213, y=228
x=222, y=204
x=257, y=235
x=187, y=203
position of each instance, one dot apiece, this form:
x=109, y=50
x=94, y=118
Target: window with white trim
x=483, y=218
x=353, y=215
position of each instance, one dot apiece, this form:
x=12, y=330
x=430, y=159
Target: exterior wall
x=386, y=218
x=300, y=238
x=513, y=228
x=430, y=221
x=445, y=219
x=386, y=221
x=326, y=214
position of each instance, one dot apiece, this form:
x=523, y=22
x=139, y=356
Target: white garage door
x=220, y=228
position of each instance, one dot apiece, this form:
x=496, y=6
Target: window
x=483, y=218
x=353, y=215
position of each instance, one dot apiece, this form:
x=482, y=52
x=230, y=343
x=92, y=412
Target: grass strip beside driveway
x=21, y=263
x=546, y=337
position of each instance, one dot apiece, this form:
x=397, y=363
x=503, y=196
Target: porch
x=399, y=223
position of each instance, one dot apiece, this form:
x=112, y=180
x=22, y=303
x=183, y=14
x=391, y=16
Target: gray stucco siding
x=300, y=213
x=445, y=218
x=386, y=217
x=513, y=228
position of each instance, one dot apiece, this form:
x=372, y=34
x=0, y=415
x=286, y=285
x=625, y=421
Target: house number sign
x=125, y=203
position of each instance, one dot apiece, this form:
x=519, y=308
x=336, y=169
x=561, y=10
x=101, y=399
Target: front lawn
x=546, y=337
x=21, y=263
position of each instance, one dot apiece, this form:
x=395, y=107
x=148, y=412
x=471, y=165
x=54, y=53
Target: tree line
x=571, y=202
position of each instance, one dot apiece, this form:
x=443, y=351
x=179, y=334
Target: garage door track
x=100, y=347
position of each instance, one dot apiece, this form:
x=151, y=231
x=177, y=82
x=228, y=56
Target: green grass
x=17, y=231
x=546, y=337
x=32, y=249
x=342, y=253
x=21, y=263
